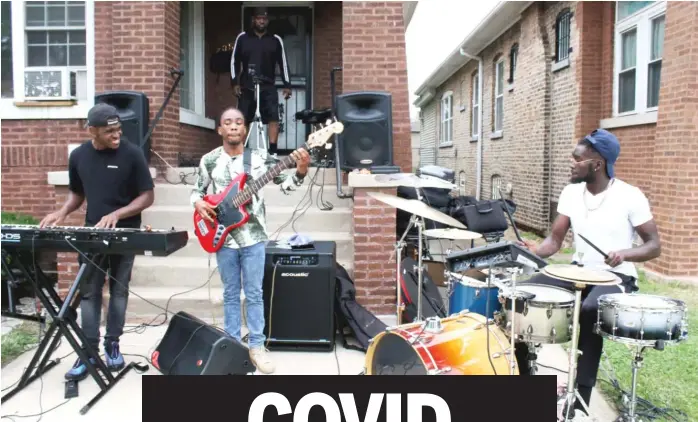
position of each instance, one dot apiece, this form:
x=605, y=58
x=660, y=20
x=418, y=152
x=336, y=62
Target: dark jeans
x=590, y=343
x=119, y=267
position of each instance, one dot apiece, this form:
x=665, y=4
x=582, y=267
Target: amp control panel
x=295, y=260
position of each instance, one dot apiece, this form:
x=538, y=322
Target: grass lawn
x=24, y=337
x=668, y=378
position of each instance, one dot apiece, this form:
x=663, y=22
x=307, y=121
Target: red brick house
x=553, y=71
x=56, y=56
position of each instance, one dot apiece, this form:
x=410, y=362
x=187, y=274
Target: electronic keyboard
x=93, y=240
x=495, y=254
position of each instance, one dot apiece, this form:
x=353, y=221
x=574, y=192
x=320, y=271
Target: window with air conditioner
x=55, y=40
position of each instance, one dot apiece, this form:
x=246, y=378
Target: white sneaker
x=261, y=360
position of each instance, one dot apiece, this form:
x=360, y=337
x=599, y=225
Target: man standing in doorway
x=257, y=53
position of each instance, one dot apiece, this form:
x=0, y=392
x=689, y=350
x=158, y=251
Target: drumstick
x=593, y=246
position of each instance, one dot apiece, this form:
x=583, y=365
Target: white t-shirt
x=608, y=220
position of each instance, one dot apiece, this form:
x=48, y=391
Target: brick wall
x=675, y=178
x=327, y=47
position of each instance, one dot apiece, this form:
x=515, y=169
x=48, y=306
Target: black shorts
x=268, y=104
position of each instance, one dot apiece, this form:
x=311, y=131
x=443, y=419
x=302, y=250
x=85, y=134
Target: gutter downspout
x=479, y=137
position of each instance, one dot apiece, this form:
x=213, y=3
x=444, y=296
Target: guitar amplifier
x=299, y=297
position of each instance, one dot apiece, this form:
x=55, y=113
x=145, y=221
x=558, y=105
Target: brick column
x=675, y=172
x=374, y=242
x=374, y=59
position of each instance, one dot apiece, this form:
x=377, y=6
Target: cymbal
x=452, y=234
x=580, y=275
x=417, y=208
x=414, y=181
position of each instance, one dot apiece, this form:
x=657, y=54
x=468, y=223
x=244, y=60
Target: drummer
x=608, y=212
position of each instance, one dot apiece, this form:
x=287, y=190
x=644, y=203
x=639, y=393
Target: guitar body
x=212, y=235
x=230, y=204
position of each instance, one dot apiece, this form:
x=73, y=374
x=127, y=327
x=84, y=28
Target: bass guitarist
x=244, y=251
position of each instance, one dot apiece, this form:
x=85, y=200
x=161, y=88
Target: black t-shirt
x=109, y=179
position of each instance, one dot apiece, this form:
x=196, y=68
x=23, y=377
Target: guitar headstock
x=320, y=136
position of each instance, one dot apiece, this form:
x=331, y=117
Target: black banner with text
x=282, y=398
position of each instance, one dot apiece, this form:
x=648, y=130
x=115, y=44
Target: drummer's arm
x=553, y=242
x=651, y=247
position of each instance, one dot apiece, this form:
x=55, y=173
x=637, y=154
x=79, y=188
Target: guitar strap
x=247, y=161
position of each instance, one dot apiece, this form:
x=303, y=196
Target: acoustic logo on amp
x=347, y=409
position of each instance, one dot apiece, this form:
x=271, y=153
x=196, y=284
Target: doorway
x=294, y=24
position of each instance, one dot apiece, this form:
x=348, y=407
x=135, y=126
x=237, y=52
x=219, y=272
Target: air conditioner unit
x=55, y=84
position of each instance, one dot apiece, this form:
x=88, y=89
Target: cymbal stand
x=399, y=246
x=572, y=392
x=512, y=359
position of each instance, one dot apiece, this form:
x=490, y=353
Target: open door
x=294, y=25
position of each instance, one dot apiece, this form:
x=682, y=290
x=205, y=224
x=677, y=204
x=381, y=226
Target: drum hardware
x=419, y=211
x=641, y=321
x=433, y=325
x=580, y=277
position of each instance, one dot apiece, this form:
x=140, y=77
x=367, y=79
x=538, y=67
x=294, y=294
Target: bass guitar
x=230, y=205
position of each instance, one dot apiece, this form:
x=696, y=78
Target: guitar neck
x=255, y=185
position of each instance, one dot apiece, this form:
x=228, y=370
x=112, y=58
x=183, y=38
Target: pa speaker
x=299, y=296
x=367, y=139
x=134, y=112
x=192, y=347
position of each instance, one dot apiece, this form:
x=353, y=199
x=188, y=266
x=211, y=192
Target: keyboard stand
x=63, y=318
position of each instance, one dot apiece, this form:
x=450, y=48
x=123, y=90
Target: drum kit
x=534, y=314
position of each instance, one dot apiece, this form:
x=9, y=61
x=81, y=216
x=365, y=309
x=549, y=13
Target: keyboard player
x=114, y=178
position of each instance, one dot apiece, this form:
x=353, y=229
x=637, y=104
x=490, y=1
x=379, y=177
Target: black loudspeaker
x=134, y=111
x=192, y=347
x=299, y=296
x=367, y=139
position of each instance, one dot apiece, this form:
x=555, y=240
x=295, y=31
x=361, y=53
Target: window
x=47, y=55
x=513, y=56
x=499, y=95
x=476, y=106
x=447, y=118
x=496, y=186
x=639, y=34
x=7, y=87
x=562, y=35
x=192, y=102
x=461, y=183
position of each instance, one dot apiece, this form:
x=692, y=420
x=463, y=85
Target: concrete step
x=182, y=273
x=180, y=217
x=188, y=175
x=345, y=244
x=166, y=194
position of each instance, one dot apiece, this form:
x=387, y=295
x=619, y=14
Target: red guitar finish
x=230, y=205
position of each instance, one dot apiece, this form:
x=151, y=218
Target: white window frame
x=196, y=76
x=8, y=106
x=475, y=118
x=642, y=22
x=446, y=120
x=497, y=76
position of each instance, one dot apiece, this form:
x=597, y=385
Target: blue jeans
x=244, y=265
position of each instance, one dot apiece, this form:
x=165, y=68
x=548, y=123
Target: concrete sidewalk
x=125, y=400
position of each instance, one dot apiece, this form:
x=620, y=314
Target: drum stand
x=572, y=392
x=419, y=222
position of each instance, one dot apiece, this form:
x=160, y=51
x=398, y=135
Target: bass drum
x=456, y=345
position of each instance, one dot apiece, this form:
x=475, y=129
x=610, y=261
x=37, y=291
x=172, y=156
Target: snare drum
x=456, y=345
x=640, y=319
x=544, y=314
x=467, y=293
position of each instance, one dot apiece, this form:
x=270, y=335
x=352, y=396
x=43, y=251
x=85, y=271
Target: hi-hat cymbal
x=417, y=208
x=580, y=275
x=452, y=234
